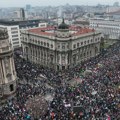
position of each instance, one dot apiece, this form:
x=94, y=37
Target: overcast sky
x=21, y=3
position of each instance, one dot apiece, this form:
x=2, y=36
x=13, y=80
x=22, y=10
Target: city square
x=60, y=62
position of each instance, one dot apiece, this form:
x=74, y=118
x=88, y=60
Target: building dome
x=63, y=25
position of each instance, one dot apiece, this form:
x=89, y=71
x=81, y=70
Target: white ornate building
x=110, y=28
x=60, y=47
x=7, y=68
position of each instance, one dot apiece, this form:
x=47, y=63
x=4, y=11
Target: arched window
x=74, y=46
x=33, y=40
x=44, y=43
x=87, y=53
x=51, y=45
x=41, y=42
x=84, y=54
x=47, y=44
x=11, y=88
x=90, y=52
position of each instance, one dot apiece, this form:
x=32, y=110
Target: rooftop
x=20, y=23
x=114, y=13
x=43, y=31
x=50, y=31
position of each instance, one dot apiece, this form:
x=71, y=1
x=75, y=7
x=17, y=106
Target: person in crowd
x=96, y=98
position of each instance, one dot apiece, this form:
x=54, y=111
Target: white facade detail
x=60, y=49
x=14, y=35
x=110, y=29
x=7, y=68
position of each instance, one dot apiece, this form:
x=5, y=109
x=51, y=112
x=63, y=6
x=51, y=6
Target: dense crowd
x=97, y=97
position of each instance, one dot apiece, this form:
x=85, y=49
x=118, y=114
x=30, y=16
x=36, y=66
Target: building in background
x=7, y=68
x=22, y=14
x=60, y=47
x=14, y=35
x=43, y=25
x=28, y=7
x=14, y=28
x=110, y=28
x=19, y=14
x=115, y=15
x=110, y=9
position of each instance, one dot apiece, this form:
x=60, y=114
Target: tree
x=37, y=106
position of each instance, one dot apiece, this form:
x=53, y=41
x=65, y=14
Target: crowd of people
x=97, y=97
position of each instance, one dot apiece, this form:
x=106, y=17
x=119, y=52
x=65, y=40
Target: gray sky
x=21, y=3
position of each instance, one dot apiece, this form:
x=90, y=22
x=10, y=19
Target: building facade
x=60, y=48
x=14, y=35
x=110, y=28
x=15, y=27
x=7, y=68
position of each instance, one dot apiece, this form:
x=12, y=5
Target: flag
x=108, y=117
x=52, y=115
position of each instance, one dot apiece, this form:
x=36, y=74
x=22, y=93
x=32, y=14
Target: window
x=16, y=46
x=51, y=45
x=90, y=53
x=5, y=48
x=47, y=44
x=58, y=46
x=81, y=43
x=14, y=35
x=35, y=41
x=11, y=88
x=85, y=42
x=44, y=43
x=45, y=55
x=88, y=41
x=13, y=32
x=15, y=39
x=77, y=44
x=67, y=46
x=14, y=28
x=74, y=46
x=84, y=54
x=41, y=42
x=38, y=42
x=16, y=42
x=63, y=47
